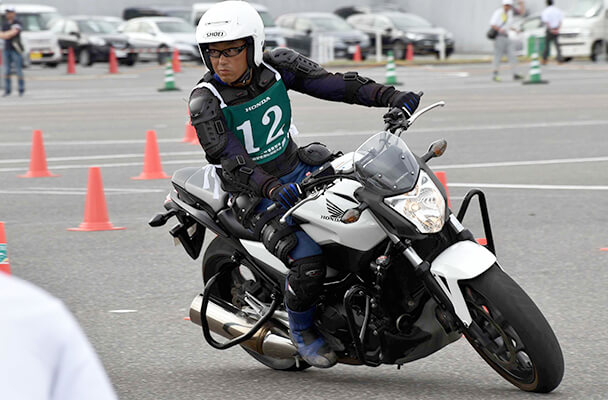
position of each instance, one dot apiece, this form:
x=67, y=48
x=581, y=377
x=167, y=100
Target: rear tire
x=218, y=256
x=520, y=344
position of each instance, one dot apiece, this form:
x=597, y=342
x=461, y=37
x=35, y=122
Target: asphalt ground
x=540, y=152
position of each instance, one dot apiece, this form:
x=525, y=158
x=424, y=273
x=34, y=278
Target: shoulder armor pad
x=295, y=62
x=203, y=106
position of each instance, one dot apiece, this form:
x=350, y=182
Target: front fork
x=464, y=259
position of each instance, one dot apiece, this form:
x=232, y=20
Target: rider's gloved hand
x=286, y=195
x=406, y=101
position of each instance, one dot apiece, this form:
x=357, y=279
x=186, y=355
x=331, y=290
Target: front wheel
x=511, y=334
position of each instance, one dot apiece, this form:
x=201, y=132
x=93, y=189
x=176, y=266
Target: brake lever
x=313, y=196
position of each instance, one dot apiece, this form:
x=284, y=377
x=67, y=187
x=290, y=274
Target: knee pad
x=279, y=239
x=304, y=282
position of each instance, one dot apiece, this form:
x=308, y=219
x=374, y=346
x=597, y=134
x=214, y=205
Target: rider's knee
x=305, y=282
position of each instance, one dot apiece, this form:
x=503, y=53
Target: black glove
x=286, y=195
x=407, y=101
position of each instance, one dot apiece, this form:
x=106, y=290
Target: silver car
x=156, y=37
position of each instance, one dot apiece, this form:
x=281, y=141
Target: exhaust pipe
x=229, y=325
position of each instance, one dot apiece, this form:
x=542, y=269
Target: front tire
x=511, y=334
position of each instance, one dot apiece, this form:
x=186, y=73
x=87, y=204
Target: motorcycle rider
x=242, y=116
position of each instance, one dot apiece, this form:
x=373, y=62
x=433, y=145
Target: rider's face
x=229, y=69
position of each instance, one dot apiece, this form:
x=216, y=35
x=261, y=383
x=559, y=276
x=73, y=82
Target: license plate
x=120, y=53
x=352, y=49
x=35, y=55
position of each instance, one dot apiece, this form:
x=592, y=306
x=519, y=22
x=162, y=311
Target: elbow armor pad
x=294, y=62
x=353, y=82
x=208, y=120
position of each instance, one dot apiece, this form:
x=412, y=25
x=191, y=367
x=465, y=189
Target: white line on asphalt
x=524, y=186
x=122, y=311
x=435, y=167
x=103, y=157
x=519, y=163
x=529, y=125
x=80, y=192
x=132, y=164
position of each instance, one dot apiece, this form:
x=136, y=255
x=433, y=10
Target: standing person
x=44, y=355
x=13, y=49
x=552, y=19
x=242, y=115
x=502, y=21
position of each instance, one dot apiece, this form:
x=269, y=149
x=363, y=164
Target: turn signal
x=351, y=216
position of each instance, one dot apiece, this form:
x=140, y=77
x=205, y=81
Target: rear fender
x=463, y=260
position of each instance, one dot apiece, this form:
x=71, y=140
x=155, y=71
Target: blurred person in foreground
x=502, y=22
x=13, y=51
x=242, y=115
x=552, y=18
x=44, y=355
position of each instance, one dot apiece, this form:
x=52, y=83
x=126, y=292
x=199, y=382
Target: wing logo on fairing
x=335, y=212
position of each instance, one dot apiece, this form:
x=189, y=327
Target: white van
x=584, y=31
x=39, y=43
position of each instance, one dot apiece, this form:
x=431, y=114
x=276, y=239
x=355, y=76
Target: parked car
x=91, y=38
x=274, y=35
x=161, y=35
x=300, y=29
x=584, y=30
x=182, y=12
x=138, y=12
x=399, y=29
x=40, y=44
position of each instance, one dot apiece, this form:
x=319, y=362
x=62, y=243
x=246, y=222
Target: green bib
x=262, y=124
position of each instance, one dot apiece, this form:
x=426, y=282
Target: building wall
x=467, y=19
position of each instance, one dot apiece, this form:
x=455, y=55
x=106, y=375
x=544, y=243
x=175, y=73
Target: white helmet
x=231, y=20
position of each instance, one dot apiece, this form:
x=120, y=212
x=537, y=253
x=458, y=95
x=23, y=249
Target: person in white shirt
x=502, y=22
x=552, y=19
x=44, y=354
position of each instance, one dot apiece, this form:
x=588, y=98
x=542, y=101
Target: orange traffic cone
x=442, y=178
x=112, y=62
x=71, y=61
x=357, y=56
x=95, y=210
x=38, y=168
x=409, y=55
x=5, y=266
x=177, y=66
x=152, y=165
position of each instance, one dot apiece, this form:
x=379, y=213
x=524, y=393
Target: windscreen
x=385, y=162
x=175, y=27
x=95, y=26
x=585, y=9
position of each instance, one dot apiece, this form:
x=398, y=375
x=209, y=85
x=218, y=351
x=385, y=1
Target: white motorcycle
x=404, y=277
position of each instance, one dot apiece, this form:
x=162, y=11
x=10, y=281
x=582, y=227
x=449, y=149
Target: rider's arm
x=222, y=147
x=306, y=76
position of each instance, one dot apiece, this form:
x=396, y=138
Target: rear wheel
x=511, y=334
x=230, y=287
x=597, y=51
x=163, y=54
x=399, y=50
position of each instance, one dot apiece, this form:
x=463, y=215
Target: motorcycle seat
x=228, y=220
x=202, y=183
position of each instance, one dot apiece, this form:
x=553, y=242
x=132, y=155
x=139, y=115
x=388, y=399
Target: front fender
x=462, y=260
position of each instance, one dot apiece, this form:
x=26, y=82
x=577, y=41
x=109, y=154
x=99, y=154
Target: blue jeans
x=306, y=247
x=11, y=57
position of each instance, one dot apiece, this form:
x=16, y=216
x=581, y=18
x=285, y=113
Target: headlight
x=95, y=41
x=423, y=206
x=585, y=32
x=414, y=36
